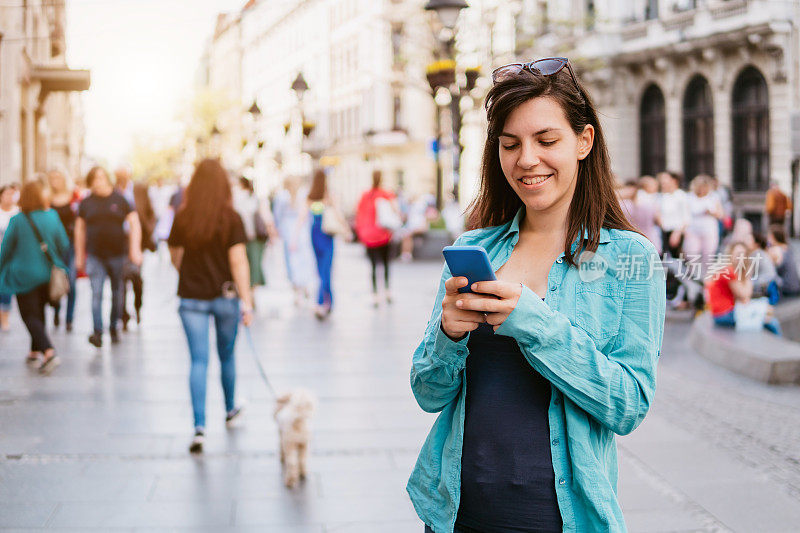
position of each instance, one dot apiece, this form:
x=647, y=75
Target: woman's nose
x=528, y=157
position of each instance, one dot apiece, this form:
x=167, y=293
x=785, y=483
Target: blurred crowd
x=99, y=227
x=702, y=245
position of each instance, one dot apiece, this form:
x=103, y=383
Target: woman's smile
x=534, y=182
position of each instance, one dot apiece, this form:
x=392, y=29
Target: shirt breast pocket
x=598, y=309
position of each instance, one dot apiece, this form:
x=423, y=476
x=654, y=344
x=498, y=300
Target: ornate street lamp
x=447, y=10
x=299, y=86
x=254, y=109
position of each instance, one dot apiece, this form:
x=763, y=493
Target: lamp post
x=300, y=86
x=446, y=92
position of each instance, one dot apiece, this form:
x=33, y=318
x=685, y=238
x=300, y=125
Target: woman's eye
x=547, y=143
x=509, y=146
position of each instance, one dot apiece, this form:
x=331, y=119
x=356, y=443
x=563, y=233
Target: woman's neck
x=551, y=224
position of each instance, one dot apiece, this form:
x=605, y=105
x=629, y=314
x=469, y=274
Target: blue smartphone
x=471, y=262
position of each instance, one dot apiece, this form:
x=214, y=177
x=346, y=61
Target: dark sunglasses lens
x=506, y=72
x=548, y=67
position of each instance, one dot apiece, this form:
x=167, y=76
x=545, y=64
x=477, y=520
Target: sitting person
x=765, y=276
x=732, y=286
x=785, y=263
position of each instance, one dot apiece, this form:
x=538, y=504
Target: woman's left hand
x=500, y=299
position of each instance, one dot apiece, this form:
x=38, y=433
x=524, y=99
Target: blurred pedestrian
x=294, y=229
x=702, y=235
x=138, y=198
x=732, y=287
x=375, y=237
x=207, y=245
x=34, y=241
x=765, y=275
x=318, y=201
x=785, y=262
x=8, y=208
x=63, y=201
x=102, y=247
x=257, y=220
x=673, y=212
x=416, y=225
x=777, y=205
x=647, y=210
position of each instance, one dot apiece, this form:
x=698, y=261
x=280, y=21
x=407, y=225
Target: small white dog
x=293, y=412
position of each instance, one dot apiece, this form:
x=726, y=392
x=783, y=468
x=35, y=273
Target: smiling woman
x=535, y=373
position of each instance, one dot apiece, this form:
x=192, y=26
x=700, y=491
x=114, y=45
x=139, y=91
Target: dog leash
x=254, y=353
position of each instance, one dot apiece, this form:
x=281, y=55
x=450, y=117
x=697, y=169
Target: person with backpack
x=34, y=242
x=376, y=219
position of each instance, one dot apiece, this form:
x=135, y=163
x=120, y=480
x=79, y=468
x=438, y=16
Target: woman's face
x=539, y=154
x=101, y=182
x=57, y=181
x=738, y=255
x=7, y=198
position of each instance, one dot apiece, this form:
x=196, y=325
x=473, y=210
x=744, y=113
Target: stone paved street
x=102, y=443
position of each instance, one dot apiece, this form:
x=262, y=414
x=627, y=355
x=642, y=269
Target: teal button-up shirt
x=596, y=337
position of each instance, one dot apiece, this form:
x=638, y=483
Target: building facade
x=41, y=124
x=367, y=106
x=695, y=86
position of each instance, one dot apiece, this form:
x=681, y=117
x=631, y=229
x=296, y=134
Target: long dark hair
x=207, y=198
x=319, y=188
x=594, y=204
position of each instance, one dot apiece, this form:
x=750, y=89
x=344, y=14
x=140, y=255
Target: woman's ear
x=585, y=142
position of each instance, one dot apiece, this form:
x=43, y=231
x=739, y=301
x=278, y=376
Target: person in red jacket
x=375, y=236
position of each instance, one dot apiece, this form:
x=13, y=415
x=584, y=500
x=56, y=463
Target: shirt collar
x=513, y=229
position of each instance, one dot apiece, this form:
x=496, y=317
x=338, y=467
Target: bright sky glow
x=144, y=56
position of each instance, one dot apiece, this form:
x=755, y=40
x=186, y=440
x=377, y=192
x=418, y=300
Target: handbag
x=386, y=216
x=59, y=281
x=334, y=224
x=750, y=316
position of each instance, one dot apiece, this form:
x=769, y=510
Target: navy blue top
x=507, y=479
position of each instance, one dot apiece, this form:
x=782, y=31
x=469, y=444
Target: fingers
x=503, y=289
x=453, y=284
x=482, y=305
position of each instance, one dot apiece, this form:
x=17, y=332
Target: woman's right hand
x=457, y=322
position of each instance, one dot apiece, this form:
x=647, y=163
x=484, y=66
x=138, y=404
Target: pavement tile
x=25, y=514
x=208, y=514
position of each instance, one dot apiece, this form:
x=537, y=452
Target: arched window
x=698, y=129
x=750, y=110
x=652, y=132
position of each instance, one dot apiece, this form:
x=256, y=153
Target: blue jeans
x=323, y=250
x=729, y=321
x=97, y=268
x=72, y=273
x=195, y=315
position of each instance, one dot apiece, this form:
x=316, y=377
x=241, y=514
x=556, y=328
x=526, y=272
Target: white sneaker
x=197, y=442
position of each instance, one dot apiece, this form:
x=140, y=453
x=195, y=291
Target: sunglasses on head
x=546, y=67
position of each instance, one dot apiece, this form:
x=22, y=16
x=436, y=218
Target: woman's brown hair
x=93, y=173
x=594, y=204
x=205, y=203
x=32, y=197
x=319, y=188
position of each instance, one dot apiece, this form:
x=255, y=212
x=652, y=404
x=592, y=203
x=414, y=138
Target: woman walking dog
x=207, y=246
x=535, y=373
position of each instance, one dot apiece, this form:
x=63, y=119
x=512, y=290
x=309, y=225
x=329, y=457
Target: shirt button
x=559, y=260
x=556, y=402
x=561, y=481
x=555, y=442
x=552, y=288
